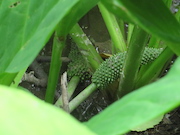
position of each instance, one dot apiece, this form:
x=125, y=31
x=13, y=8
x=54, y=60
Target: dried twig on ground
x=65, y=98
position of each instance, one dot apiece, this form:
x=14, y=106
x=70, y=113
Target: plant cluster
x=27, y=25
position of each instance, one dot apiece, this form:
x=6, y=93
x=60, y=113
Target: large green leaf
x=140, y=106
x=26, y=26
x=22, y=113
x=152, y=15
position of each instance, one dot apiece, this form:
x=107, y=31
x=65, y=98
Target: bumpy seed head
x=150, y=54
x=108, y=71
x=77, y=66
x=111, y=69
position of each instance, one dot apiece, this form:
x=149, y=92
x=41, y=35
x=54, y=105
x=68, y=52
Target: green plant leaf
x=7, y=78
x=140, y=106
x=27, y=25
x=23, y=113
x=159, y=22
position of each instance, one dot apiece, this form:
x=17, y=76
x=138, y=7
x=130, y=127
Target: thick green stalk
x=86, y=47
x=132, y=62
x=122, y=28
x=56, y=62
x=130, y=30
x=155, y=68
x=114, y=30
x=82, y=96
x=70, y=89
x=178, y=15
x=154, y=42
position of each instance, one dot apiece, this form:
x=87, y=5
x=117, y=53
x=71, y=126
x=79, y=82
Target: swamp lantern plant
x=25, y=28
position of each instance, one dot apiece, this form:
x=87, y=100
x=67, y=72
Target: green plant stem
x=114, y=30
x=86, y=47
x=130, y=30
x=70, y=89
x=154, y=42
x=177, y=15
x=56, y=62
x=122, y=28
x=82, y=96
x=132, y=62
x=168, y=3
x=7, y=78
x=155, y=68
x=18, y=78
